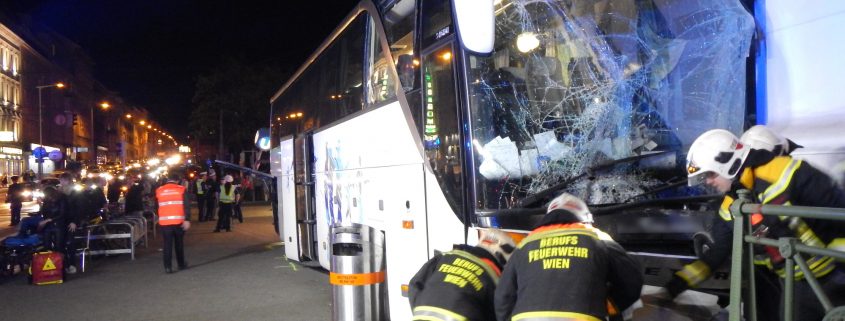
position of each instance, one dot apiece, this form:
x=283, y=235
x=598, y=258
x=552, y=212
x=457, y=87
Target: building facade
x=11, y=147
x=71, y=120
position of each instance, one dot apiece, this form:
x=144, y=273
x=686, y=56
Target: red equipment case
x=47, y=268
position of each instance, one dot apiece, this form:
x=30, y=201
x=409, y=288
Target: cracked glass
x=607, y=95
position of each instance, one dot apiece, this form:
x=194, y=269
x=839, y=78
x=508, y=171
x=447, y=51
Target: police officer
x=567, y=270
x=173, y=206
x=200, y=189
x=718, y=159
x=228, y=198
x=459, y=284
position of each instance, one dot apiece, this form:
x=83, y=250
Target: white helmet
x=761, y=137
x=573, y=204
x=228, y=179
x=716, y=151
x=498, y=243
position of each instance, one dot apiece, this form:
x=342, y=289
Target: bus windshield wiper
x=539, y=196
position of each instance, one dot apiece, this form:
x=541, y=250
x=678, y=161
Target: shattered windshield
x=575, y=84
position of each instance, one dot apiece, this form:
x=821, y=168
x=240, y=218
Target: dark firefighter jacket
x=567, y=272
x=777, y=180
x=455, y=286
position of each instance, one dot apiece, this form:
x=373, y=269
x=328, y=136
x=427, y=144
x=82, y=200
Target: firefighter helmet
x=572, y=204
x=498, y=243
x=716, y=151
x=762, y=137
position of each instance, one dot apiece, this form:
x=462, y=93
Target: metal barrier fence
x=789, y=247
x=132, y=229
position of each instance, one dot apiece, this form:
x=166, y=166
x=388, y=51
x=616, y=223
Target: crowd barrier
x=742, y=264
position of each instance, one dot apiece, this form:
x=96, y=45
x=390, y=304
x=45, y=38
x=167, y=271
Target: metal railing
x=132, y=229
x=789, y=247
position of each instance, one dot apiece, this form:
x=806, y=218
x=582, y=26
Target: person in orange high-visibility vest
x=174, y=218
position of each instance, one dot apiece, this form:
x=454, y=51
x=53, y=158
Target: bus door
x=442, y=142
x=303, y=160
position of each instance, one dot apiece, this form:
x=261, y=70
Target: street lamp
x=104, y=105
x=40, y=160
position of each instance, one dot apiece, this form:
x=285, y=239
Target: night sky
x=151, y=51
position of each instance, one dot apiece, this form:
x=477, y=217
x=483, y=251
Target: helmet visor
x=699, y=177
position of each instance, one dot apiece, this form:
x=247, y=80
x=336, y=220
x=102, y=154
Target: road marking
x=273, y=245
x=290, y=264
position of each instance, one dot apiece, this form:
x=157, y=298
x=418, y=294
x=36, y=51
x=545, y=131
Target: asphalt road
x=241, y=275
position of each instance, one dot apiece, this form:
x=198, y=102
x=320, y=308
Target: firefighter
x=459, y=284
x=718, y=159
x=565, y=269
x=173, y=209
x=762, y=138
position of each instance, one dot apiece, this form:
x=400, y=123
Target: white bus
x=428, y=119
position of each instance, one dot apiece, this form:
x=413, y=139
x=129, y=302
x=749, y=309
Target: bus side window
x=381, y=83
x=399, y=26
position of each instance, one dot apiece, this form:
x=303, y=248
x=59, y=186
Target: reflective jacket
x=456, y=285
x=199, y=185
x=776, y=180
x=171, y=204
x=567, y=272
x=227, y=198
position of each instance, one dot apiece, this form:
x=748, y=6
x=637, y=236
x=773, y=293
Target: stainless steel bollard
x=357, y=273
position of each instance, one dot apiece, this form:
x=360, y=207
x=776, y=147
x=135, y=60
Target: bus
x=430, y=119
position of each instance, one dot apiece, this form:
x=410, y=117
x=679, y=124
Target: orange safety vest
x=171, y=210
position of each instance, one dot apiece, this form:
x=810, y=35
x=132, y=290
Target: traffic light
x=75, y=120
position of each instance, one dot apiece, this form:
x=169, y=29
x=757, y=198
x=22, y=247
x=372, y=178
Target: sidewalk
x=241, y=275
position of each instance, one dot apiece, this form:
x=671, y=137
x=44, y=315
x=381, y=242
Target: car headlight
x=26, y=193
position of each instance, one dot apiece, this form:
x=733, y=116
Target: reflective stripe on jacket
x=171, y=206
x=565, y=271
x=553, y=316
x=227, y=198
x=787, y=181
x=455, y=286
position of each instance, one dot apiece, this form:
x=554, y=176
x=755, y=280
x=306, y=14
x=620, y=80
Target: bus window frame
x=463, y=212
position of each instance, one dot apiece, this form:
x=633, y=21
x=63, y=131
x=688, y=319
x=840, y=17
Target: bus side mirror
x=476, y=28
